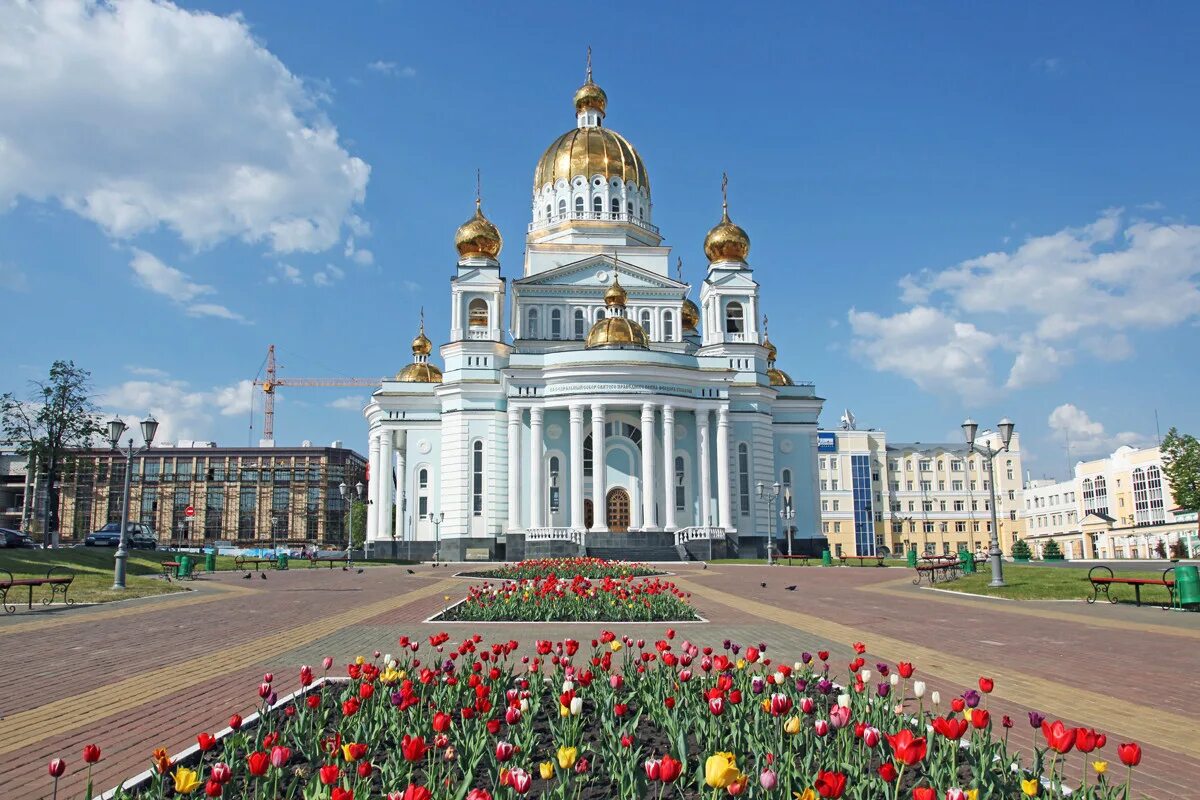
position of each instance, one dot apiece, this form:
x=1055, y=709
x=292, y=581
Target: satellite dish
x=847, y=420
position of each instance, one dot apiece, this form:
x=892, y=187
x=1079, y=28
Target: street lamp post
x=970, y=428
x=770, y=494
x=787, y=513
x=274, y=525
x=437, y=535
x=116, y=429
x=342, y=490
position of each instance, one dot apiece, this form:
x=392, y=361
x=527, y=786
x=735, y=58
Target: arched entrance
x=618, y=510
x=589, y=517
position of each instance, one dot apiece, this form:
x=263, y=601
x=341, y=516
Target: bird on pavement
x=763, y=584
x=705, y=566
x=262, y=575
x=410, y=572
x=791, y=588
x=360, y=570
x=247, y=576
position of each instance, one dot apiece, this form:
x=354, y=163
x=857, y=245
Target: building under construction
x=243, y=495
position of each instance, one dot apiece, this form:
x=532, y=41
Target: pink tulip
x=280, y=755
x=807, y=705
x=716, y=705
x=839, y=716
x=767, y=779
x=520, y=780
x=512, y=715
x=871, y=737
x=956, y=794
x=685, y=675
x=504, y=751
x=615, y=681
x=328, y=663
x=221, y=773
x=820, y=727
x=269, y=678
x=653, y=767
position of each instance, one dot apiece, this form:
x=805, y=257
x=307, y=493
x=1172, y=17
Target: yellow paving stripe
x=69, y=713
x=136, y=606
x=1165, y=729
x=1018, y=607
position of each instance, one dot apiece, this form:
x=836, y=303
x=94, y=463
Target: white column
x=668, y=449
x=599, y=472
x=373, y=484
x=724, y=512
x=401, y=534
x=537, y=450
x=705, y=504
x=577, y=467
x=648, y=436
x=387, y=486
x=514, y=468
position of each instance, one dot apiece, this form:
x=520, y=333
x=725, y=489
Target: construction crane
x=271, y=381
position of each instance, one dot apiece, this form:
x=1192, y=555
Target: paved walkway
x=156, y=671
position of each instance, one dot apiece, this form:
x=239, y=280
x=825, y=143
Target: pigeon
x=345, y=569
x=763, y=585
x=247, y=576
x=791, y=588
x=410, y=572
x=705, y=566
x=262, y=575
x=360, y=570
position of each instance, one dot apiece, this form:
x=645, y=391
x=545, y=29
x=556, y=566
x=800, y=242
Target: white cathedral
x=601, y=412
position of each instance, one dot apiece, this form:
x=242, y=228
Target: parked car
x=141, y=536
x=13, y=538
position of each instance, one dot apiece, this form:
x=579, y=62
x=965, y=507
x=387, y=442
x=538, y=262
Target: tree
x=1052, y=552
x=1181, y=465
x=358, y=512
x=1020, y=549
x=58, y=416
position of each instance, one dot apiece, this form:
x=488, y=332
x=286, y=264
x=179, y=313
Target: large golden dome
x=588, y=152
x=478, y=237
x=726, y=241
x=617, y=332
x=779, y=377
x=690, y=315
x=420, y=373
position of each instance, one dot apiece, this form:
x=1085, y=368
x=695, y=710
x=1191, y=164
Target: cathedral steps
x=634, y=553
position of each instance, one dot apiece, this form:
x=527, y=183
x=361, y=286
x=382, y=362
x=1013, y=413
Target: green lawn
x=782, y=561
x=1053, y=583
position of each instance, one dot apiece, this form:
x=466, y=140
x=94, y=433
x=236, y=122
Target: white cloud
x=1084, y=436
x=286, y=272
x=357, y=254
x=146, y=372
x=392, y=68
x=1052, y=299
x=349, y=403
x=139, y=114
x=182, y=413
x=328, y=276
x=176, y=286
x=12, y=277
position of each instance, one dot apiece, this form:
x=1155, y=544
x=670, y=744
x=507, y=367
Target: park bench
x=241, y=561
x=171, y=568
x=1102, y=583
x=802, y=559
x=862, y=560
x=330, y=560
x=57, y=583
x=935, y=568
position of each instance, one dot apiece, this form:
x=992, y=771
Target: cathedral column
x=401, y=483
x=668, y=440
x=537, y=455
x=724, y=512
x=514, y=468
x=372, y=486
x=387, y=485
x=705, y=505
x=599, y=472
x=648, y=489
x=577, y=467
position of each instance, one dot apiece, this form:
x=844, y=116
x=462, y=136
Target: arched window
x=549, y=210
x=598, y=205
x=680, y=485
x=614, y=206
x=531, y=324
x=1101, y=495
x=587, y=456
x=580, y=326
x=477, y=313
x=562, y=207
x=1009, y=467
x=668, y=326
x=555, y=324
x=423, y=493
x=735, y=322
x=629, y=208
x=645, y=317
x=744, y=479
x=579, y=204
x=477, y=478
x=785, y=499
x=641, y=212
x=552, y=485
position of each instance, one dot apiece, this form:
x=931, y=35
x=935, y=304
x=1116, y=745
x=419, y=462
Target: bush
x=1177, y=549
x=1020, y=549
x=1160, y=549
x=1052, y=551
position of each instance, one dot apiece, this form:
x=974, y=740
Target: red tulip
x=907, y=748
x=441, y=722
x=924, y=793
x=213, y=788
x=860, y=648
x=653, y=768
x=887, y=771
x=830, y=784
x=950, y=727
x=330, y=774
x=669, y=702
x=1085, y=740
x=206, y=741
x=341, y=794
x=504, y=751
x=986, y=685
x=1130, y=754
x=313, y=701
x=905, y=669
x=1060, y=738
x=626, y=740
x=512, y=715
x=958, y=704
x=479, y=794
x=220, y=772
x=280, y=755
x=980, y=717
x=413, y=747
x=258, y=762
x=716, y=705
x=91, y=754
x=235, y=722
x=57, y=767
x=412, y=792
x=364, y=768
x=1101, y=740
x=306, y=675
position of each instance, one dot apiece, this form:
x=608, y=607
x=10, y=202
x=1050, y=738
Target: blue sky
x=954, y=210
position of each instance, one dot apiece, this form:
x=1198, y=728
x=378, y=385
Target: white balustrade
x=698, y=533
x=592, y=216
x=554, y=535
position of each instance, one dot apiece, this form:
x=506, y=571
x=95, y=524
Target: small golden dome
x=690, y=314
x=616, y=295
x=619, y=332
x=591, y=96
x=726, y=241
x=779, y=377
x=772, y=352
x=478, y=237
x=420, y=372
x=421, y=346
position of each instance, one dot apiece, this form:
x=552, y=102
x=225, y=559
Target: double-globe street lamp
x=970, y=428
x=116, y=429
x=771, y=495
x=358, y=490
x=787, y=513
x=437, y=535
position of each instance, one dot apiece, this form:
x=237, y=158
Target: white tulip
x=798, y=667
x=937, y=698
x=865, y=675
x=387, y=658
x=918, y=689
x=844, y=700
x=895, y=678
x=779, y=678
x=524, y=705
x=567, y=686
x=576, y=706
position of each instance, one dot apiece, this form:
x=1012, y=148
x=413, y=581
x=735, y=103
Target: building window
x=959, y=505
x=925, y=465
x=956, y=466
x=532, y=324
x=477, y=478
x=956, y=486
x=555, y=324
x=477, y=313
x=680, y=485
x=598, y=205
x=423, y=493
x=580, y=326
x=562, y=207
x=552, y=479
x=615, y=206
x=744, y=479
x=734, y=320
x=1009, y=466
x=247, y=506
x=214, y=511
x=785, y=478
x=668, y=332
x=836, y=504
x=579, y=204
x=645, y=316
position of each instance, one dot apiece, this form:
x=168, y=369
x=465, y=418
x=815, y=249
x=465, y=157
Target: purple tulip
x=972, y=698
x=882, y=689
x=806, y=657
x=736, y=648
x=448, y=666
x=882, y=669
x=801, y=684
x=397, y=699
x=824, y=686
x=272, y=698
x=1035, y=719
x=762, y=647
x=757, y=684
x=726, y=644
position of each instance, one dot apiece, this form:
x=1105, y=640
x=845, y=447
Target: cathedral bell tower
x=477, y=290
x=729, y=295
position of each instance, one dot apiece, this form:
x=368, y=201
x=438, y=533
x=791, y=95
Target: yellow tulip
x=567, y=756
x=546, y=769
x=809, y=794
x=792, y=725
x=360, y=660
x=972, y=794
x=1030, y=786
x=563, y=711
x=186, y=780
x=766, y=705
x=741, y=663
x=720, y=770
x=615, y=645
x=967, y=714
x=1099, y=766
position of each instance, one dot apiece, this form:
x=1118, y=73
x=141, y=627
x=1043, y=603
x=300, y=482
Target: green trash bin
x=210, y=560
x=1187, y=585
x=826, y=559
x=281, y=561
x=912, y=558
x=967, y=560
x=184, y=568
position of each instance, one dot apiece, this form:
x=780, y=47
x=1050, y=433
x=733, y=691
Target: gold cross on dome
x=589, y=64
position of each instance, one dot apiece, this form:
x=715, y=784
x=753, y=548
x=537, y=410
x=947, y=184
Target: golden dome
x=478, y=237
x=421, y=346
x=616, y=295
x=588, y=152
x=420, y=372
x=690, y=314
x=772, y=352
x=617, y=332
x=591, y=96
x=778, y=377
x=726, y=241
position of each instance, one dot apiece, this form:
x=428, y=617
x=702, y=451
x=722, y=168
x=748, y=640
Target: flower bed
x=551, y=599
x=593, y=568
x=628, y=719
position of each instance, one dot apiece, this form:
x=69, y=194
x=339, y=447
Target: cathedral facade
x=588, y=405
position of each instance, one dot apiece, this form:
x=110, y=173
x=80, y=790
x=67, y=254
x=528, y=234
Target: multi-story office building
x=927, y=497
x=14, y=486
x=1052, y=512
x=246, y=495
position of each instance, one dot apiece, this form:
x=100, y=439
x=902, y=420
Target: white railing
x=699, y=532
x=554, y=535
x=742, y=338
x=479, y=333
x=592, y=216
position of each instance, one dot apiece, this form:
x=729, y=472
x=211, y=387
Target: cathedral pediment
x=597, y=272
